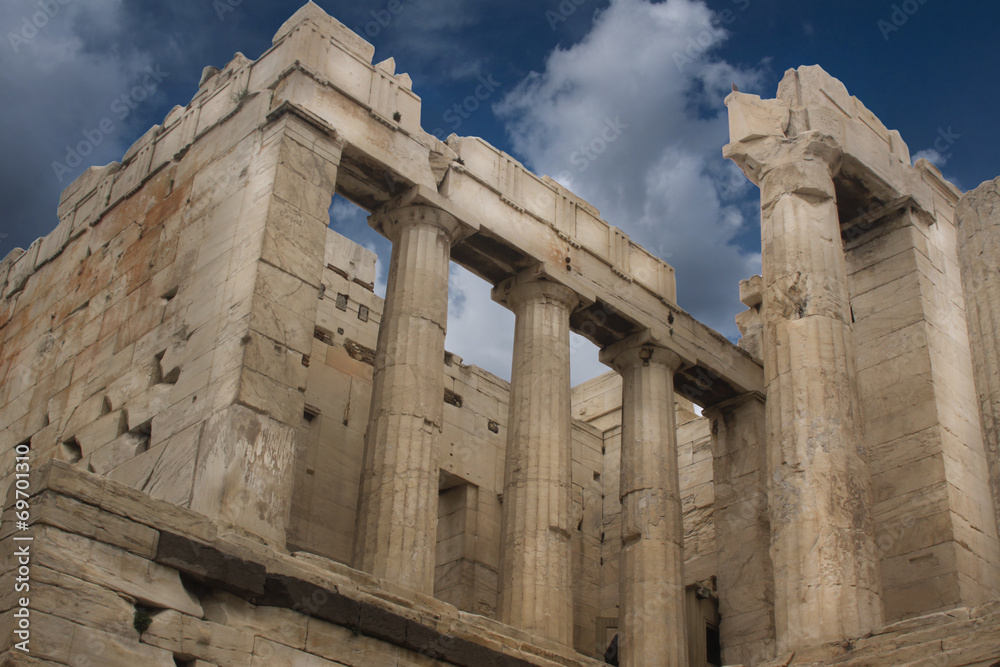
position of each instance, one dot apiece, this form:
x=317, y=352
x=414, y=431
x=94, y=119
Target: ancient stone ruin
x=222, y=448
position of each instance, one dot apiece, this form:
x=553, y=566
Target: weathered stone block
x=165, y=470
x=111, y=567
x=185, y=635
x=284, y=308
x=101, y=432
x=294, y=240
x=71, y=516
x=275, y=361
x=283, y=626
x=68, y=643
x=140, y=409
x=81, y=602
x=340, y=644
x=244, y=473
x=120, y=500
x=261, y=393
x=215, y=568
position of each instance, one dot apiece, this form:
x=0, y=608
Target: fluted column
x=535, y=585
x=825, y=561
x=397, y=508
x=651, y=625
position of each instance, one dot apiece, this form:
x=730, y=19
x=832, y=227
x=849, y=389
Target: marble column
x=535, y=585
x=397, y=508
x=826, y=566
x=652, y=622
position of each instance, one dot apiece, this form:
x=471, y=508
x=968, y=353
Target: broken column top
x=811, y=100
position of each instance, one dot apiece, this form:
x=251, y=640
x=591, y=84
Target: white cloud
x=479, y=330
x=631, y=118
x=343, y=212
x=381, y=276
x=649, y=70
x=424, y=31
x=933, y=156
x=64, y=88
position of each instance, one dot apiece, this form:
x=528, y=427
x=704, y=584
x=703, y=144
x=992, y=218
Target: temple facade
x=221, y=447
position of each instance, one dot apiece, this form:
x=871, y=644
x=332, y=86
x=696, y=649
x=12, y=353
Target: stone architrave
x=535, y=584
x=652, y=629
x=397, y=509
x=825, y=561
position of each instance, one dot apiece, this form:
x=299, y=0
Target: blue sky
x=653, y=74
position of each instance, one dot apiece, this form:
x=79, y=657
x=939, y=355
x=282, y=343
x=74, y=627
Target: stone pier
x=397, y=513
x=825, y=562
x=978, y=221
x=652, y=629
x=742, y=529
x=261, y=259
x=535, y=583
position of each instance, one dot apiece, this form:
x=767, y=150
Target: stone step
x=964, y=637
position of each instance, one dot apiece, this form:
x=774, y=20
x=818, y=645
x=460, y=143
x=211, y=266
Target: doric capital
x=389, y=222
x=534, y=284
x=539, y=290
x=798, y=163
x=422, y=204
x=642, y=349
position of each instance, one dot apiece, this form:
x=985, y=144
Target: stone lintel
x=702, y=376
x=876, y=216
x=300, y=112
x=737, y=401
x=750, y=117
